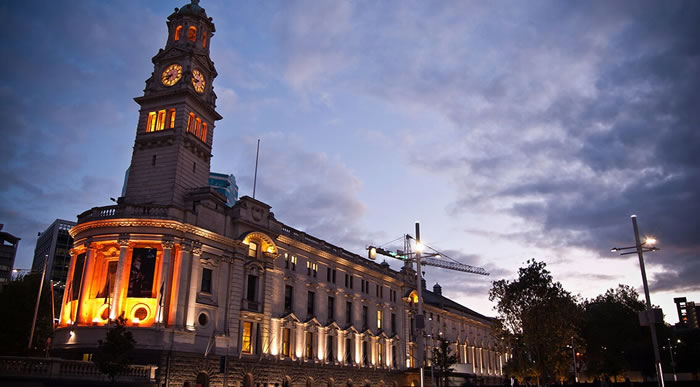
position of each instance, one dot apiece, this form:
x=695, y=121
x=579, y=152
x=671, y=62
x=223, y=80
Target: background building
x=55, y=243
x=226, y=185
x=687, y=313
x=8, y=250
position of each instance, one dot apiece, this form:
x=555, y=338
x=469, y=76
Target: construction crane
x=429, y=259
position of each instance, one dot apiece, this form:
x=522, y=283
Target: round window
x=203, y=319
x=141, y=313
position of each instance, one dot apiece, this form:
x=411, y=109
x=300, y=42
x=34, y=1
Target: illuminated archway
x=267, y=245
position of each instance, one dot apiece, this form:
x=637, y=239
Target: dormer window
x=178, y=32
x=192, y=33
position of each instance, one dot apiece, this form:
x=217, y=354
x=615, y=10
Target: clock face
x=198, y=81
x=172, y=74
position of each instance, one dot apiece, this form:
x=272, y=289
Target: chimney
x=437, y=289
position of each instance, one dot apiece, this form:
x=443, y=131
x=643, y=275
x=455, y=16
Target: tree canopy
x=112, y=357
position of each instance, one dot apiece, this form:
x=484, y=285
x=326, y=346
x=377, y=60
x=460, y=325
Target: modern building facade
x=55, y=244
x=225, y=185
x=8, y=251
x=687, y=313
x=231, y=295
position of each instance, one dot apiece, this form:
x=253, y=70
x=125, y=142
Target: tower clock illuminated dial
x=172, y=74
x=198, y=81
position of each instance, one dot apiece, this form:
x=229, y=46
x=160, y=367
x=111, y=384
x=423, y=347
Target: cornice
x=156, y=223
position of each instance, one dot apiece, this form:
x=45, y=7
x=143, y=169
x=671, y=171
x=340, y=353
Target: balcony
x=124, y=211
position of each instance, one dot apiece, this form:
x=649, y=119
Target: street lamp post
x=673, y=362
x=573, y=355
x=640, y=248
x=38, y=298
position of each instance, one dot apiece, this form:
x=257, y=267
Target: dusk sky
x=512, y=130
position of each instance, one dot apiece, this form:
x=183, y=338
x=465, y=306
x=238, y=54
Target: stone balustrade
x=26, y=368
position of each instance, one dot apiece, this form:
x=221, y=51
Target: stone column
x=86, y=285
x=174, y=306
x=120, y=281
x=195, y=279
x=69, y=285
x=166, y=282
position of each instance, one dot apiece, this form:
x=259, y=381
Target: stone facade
x=201, y=283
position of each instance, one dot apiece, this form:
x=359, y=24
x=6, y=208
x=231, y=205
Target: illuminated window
x=329, y=348
x=171, y=118
x=190, y=122
x=178, y=32
x=151, y=123
x=286, y=335
x=204, y=132
x=204, y=39
x=379, y=319
x=246, y=344
x=197, y=126
x=161, y=120
x=252, y=249
x=192, y=33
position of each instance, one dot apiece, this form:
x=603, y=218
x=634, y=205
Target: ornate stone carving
x=196, y=248
x=168, y=243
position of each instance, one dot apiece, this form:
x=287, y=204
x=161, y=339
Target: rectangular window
x=314, y=269
x=362, y=285
x=151, y=123
x=310, y=304
x=365, y=358
x=329, y=349
x=328, y=274
x=351, y=285
x=365, y=312
x=252, y=249
x=294, y=262
x=376, y=291
x=206, y=281
x=286, y=336
x=143, y=266
x=251, y=294
x=348, y=350
x=347, y=281
x=309, y=345
x=379, y=319
x=348, y=312
x=333, y=276
x=393, y=323
x=308, y=267
x=288, y=294
x=77, y=276
x=331, y=308
x=381, y=292
x=380, y=353
x=246, y=344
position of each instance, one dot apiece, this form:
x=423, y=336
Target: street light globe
x=650, y=241
x=419, y=247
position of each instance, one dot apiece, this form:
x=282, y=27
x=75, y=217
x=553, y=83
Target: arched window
x=197, y=125
x=192, y=33
x=190, y=122
x=171, y=118
x=178, y=32
x=204, y=39
x=204, y=131
x=151, y=123
x=161, y=120
x=203, y=379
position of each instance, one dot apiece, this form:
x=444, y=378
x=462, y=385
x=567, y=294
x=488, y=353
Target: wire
x=382, y=245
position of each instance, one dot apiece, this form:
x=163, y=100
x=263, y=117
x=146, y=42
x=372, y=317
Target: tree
x=17, y=301
x=615, y=342
x=112, y=357
x=537, y=318
x=444, y=359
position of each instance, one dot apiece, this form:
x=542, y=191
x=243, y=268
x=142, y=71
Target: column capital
x=168, y=243
x=123, y=240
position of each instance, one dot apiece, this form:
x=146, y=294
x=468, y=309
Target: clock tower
x=174, y=135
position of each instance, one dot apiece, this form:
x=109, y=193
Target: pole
x=673, y=362
x=255, y=179
x=420, y=321
x=573, y=355
x=38, y=298
x=652, y=324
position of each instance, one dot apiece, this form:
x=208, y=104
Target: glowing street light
x=648, y=316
